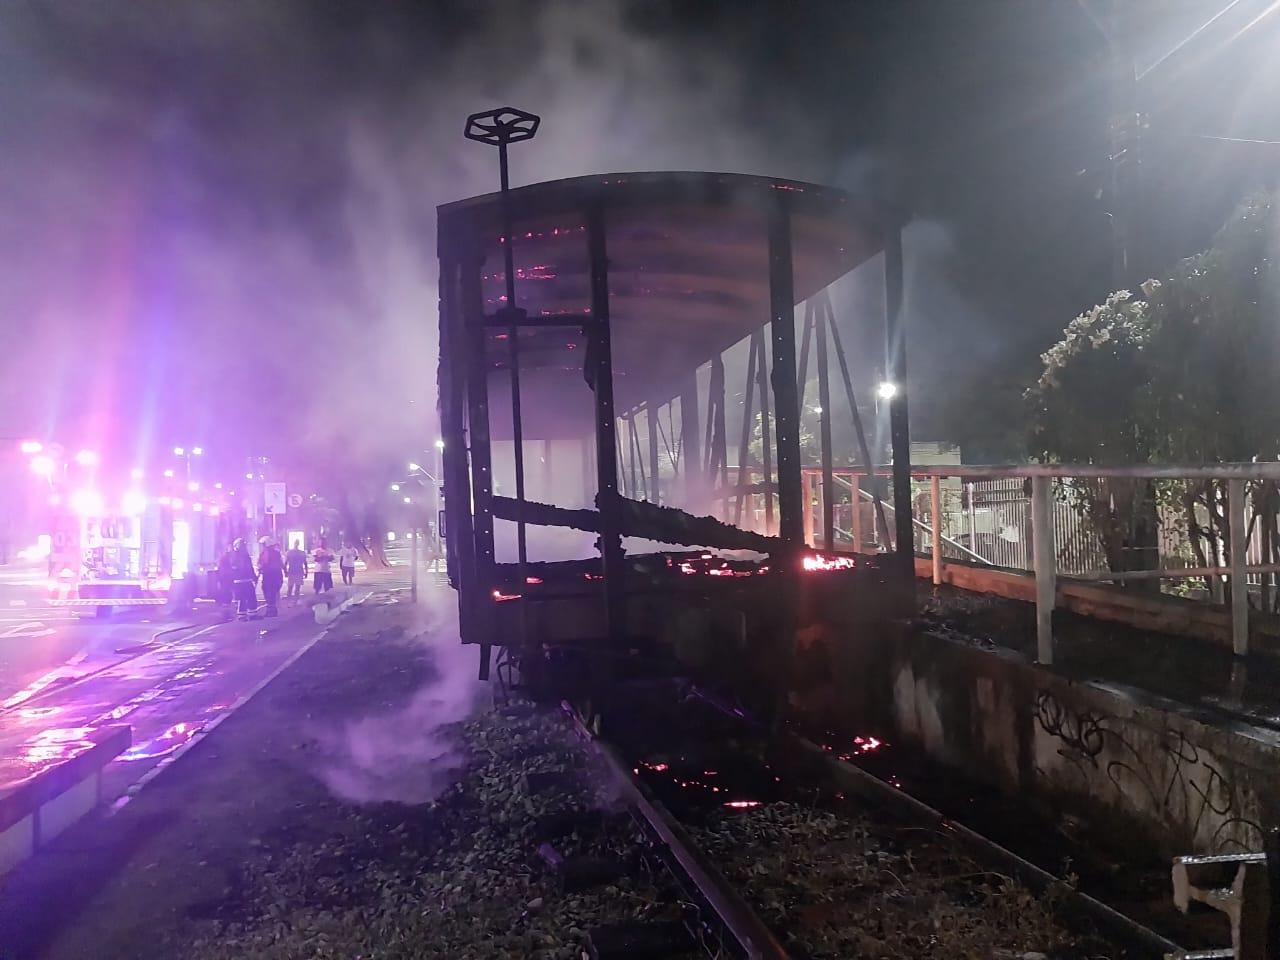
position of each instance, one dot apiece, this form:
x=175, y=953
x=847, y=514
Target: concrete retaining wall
x=1134, y=767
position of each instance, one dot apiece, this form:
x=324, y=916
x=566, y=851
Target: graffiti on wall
x=1168, y=774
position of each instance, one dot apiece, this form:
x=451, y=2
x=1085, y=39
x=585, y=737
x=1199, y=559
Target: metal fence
x=1044, y=520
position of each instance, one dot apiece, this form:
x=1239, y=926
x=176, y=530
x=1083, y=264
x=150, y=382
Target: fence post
x=1238, y=530
x=1044, y=564
x=935, y=508
x=855, y=494
x=806, y=498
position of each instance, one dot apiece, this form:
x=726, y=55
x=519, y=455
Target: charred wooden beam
x=640, y=519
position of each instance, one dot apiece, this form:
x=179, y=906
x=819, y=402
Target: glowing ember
x=742, y=804
x=819, y=562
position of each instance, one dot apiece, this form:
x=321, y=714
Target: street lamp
x=887, y=390
x=414, y=467
x=395, y=487
x=29, y=447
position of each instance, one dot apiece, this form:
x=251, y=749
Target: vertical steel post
x=766, y=430
x=744, y=446
x=1238, y=530
x=855, y=495
x=690, y=443
x=1045, y=564
x=899, y=430
x=782, y=327
x=477, y=373
x=935, y=545
x=653, y=450
x=806, y=496
x=606, y=459
x=824, y=431
x=717, y=458
x=513, y=354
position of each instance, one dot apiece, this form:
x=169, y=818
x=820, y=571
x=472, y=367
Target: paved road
x=168, y=687
x=36, y=638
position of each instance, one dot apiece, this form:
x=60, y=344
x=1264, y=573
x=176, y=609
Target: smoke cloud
x=409, y=755
x=219, y=220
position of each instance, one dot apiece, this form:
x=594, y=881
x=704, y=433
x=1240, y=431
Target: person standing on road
x=225, y=585
x=244, y=580
x=271, y=566
x=347, y=562
x=322, y=560
x=295, y=568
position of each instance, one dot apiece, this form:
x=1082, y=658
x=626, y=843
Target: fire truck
x=138, y=552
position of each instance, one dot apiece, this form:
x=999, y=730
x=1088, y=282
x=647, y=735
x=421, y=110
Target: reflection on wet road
x=168, y=690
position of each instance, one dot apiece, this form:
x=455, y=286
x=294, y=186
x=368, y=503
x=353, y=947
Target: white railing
x=1044, y=534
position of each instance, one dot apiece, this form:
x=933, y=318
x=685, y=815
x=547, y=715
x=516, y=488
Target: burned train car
x=604, y=492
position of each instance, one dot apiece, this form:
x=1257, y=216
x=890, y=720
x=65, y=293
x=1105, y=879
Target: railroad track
x=789, y=851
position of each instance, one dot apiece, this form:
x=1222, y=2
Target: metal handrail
x=1261, y=470
x=916, y=521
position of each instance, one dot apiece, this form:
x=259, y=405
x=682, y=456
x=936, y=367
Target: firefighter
x=224, y=583
x=244, y=580
x=271, y=566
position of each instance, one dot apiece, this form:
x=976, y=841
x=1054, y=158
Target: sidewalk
x=165, y=875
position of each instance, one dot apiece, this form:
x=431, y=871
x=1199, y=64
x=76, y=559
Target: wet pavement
x=168, y=682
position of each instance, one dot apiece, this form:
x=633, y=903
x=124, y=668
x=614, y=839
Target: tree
x=1188, y=373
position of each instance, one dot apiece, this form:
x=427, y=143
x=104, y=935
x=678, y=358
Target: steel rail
x=756, y=940
x=1109, y=919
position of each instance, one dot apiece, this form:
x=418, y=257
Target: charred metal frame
x=698, y=453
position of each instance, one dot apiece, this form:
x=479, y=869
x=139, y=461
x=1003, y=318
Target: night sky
x=217, y=219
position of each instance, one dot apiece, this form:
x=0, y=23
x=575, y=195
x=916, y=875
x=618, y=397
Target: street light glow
x=134, y=503
x=408, y=500
x=414, y=468
x=168, y=474
x=42, y=466
x=887, y=390
x=193, y=486
x=197, y=451
x=179, y=452
x=87, y=458
x=31, y=446
x=439, y=444
x=395, y=486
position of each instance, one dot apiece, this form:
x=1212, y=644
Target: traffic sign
x=273, y=498
x=295, y=501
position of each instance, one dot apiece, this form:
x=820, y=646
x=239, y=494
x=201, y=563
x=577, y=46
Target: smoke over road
x=218, y=220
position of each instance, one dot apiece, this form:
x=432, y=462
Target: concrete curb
x=37, y=811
